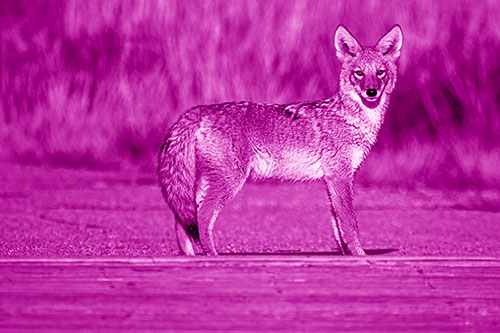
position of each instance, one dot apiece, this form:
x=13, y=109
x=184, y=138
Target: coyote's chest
x=290, y=165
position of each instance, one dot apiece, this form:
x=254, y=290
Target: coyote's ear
x=390, y=44
x=347, y=46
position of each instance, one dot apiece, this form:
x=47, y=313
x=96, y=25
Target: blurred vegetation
x=97, y=83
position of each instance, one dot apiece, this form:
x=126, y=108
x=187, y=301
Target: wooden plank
x=255, y=293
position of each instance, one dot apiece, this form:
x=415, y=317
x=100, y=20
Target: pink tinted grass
x=97, y=84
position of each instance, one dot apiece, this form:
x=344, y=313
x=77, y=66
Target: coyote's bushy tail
x=177, y=171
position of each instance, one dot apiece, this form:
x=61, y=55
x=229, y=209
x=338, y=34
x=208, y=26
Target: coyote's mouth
x=371, y=102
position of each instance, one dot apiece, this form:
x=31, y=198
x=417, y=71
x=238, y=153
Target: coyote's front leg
x=345, y=226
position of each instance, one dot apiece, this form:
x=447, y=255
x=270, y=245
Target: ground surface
x=96, y=251
x=56, y=212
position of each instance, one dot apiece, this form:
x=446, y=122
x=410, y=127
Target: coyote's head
x=368, y=74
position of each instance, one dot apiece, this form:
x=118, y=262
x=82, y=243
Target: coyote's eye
x=381, y=73
x=359, y=74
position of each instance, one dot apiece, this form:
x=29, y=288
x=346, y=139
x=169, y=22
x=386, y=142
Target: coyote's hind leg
x=218, y=191
x=184, y=239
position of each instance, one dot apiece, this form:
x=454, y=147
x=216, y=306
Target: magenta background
x=97, y=83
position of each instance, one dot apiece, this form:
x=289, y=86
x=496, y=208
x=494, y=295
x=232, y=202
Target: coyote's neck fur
x=367, y=120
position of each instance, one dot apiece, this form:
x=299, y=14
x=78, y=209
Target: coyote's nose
x=371, y=92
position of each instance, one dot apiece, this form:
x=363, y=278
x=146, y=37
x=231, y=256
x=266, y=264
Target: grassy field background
x=96, y=84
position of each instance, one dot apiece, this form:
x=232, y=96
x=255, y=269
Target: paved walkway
x=253, y=293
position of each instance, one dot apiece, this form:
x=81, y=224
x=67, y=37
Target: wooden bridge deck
x=251, y=293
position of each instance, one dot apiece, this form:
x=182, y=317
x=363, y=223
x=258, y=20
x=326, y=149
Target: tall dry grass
x=96, y=83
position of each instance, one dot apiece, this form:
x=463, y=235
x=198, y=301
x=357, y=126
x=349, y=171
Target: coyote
x=211, y=150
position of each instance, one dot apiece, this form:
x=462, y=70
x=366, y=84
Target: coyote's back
x=210, y=152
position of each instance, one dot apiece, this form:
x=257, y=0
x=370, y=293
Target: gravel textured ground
x=53, y=212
